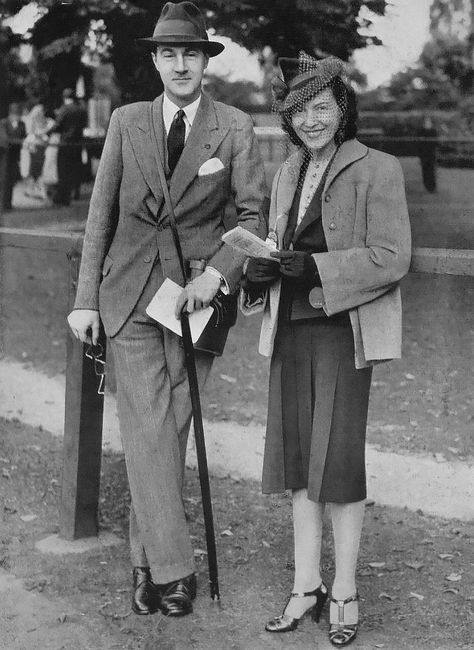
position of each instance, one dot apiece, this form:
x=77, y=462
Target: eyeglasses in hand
x=96, y=352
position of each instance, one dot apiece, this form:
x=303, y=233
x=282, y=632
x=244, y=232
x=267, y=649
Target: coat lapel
x=348, y=152
x=284, y=193
x=144, y=148
x=205, y=136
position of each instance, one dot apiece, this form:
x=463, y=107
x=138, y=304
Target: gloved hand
x=298, y=265
x=262, y=271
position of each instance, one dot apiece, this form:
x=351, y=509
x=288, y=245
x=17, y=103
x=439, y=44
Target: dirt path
x=414, y=573
x=418, y=482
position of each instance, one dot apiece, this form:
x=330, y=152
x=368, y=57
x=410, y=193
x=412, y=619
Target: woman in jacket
x=331, y=301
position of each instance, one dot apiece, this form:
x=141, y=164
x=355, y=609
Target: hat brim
x=212, y=48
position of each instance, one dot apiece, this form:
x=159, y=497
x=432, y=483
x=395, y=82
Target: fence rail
x=83, y=419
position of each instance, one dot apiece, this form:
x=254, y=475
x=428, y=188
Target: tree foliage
x=285, y=26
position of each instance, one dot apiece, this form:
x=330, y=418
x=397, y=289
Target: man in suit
x=211, y=154
x=71, y=120
x=12, y=132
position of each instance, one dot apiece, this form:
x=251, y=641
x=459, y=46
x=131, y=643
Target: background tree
x=280, y=26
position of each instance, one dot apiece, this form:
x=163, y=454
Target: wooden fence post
x=82, y=437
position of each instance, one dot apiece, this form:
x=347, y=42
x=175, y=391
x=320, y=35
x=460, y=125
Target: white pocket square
x=211, y=166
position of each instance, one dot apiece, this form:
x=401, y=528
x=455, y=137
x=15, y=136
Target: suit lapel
x=205, y=136
x=144, y=148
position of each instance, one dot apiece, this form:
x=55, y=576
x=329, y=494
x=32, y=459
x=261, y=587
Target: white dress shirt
x=170, y=109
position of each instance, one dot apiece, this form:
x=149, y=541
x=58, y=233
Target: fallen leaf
x=376, y=565
x=417, y=596
x=454, y=577
x=231, y=380
x=454, y=450
x=408, y=376
x=445, y=556
x=451, y=590
x=199, y=552
x=379, y=645
x=266, y=544
x=227, y=533
x=28, y=517
x=440, y=458
x=5, y=473
x=62, y=618
x=414, y=565
x=385, y=595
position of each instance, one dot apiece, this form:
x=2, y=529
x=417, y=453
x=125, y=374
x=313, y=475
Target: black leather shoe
x=146, y=596
x=176, y=596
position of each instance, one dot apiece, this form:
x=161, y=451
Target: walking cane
x=201, y=456
x=190, y=363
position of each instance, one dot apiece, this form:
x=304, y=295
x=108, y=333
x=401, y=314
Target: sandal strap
x=340, y=608
x=341, y=603
x=305, y=594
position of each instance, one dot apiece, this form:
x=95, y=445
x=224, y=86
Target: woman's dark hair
x=344, y=96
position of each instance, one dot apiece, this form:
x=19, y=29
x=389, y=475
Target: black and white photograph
x=236, y=324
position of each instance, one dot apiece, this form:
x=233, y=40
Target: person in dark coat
x=71, y=119
x=12, y=133
x=331, y=302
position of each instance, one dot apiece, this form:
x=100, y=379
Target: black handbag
x=214, y=335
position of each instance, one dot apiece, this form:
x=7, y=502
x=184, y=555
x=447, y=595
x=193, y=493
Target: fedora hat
x=183, y=24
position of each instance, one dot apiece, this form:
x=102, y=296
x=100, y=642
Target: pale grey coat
x=367, y=230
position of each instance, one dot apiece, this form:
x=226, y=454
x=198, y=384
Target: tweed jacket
x=367, y=230
x=128, y=229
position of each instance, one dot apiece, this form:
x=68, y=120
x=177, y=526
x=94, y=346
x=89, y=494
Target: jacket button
x=147, y=259
x=332, y=226
x=327, y=198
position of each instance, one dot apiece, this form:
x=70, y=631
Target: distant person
x=71, y=120
x=332, y=309
x=38, y=126
x=210, y=154
x=12, y=134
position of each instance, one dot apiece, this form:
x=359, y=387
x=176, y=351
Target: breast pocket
x=213, y=179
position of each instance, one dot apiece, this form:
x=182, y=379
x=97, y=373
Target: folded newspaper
x=248, y=243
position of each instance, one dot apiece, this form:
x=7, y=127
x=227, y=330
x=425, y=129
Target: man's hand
x=84, y=324
x=298, y=265
x=198, y=294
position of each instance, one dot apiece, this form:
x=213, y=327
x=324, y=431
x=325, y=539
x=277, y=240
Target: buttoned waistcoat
x=128, y=229
x=367, y=230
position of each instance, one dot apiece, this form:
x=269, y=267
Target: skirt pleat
x=317, y=412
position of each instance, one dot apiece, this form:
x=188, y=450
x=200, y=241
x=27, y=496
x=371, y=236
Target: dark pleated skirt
x=317, y=412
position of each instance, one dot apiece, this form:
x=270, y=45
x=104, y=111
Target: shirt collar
x=170, y=109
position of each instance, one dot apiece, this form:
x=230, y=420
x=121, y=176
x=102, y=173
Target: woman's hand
x=298, y=265
x=262, y=271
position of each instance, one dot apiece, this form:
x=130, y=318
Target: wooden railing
x=84, y=407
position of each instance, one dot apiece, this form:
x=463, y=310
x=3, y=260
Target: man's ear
x=153, y=58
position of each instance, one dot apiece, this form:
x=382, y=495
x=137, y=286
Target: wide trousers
x=154, y=410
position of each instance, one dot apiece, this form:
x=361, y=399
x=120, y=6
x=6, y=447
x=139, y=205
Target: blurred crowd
x=44, y=151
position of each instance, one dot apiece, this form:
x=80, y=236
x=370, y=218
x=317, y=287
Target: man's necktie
x=176, y=140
